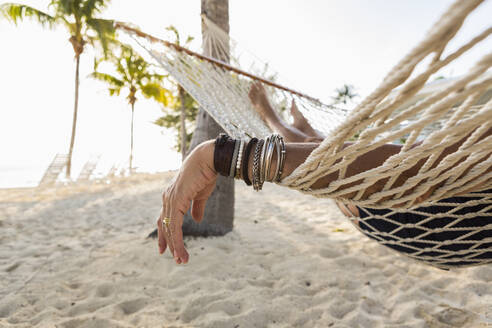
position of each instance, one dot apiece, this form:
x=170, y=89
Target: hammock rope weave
x=459, y=110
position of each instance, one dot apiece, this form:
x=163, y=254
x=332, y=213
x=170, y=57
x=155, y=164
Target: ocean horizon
x=29, y=174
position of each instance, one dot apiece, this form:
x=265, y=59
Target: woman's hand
x=193, y=185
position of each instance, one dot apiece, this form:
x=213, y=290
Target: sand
x=78, y=256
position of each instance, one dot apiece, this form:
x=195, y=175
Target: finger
x=180, y=253
x=167, y=232
x=198, y=209
x=161, y=241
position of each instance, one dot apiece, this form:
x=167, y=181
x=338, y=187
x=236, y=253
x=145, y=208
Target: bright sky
x=318, y=45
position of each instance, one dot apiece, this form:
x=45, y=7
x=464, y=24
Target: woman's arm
x=196, y=181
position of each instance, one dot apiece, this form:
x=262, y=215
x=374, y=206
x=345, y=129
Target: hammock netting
x=428, y=117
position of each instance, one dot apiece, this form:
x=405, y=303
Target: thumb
x=198, y=209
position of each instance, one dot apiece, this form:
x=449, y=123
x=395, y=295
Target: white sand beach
x=78, y=256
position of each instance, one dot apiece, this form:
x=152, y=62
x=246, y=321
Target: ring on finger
x=166, y=224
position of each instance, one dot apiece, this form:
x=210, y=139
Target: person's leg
x=303, y=125
x=259, y=100
x=300, y=131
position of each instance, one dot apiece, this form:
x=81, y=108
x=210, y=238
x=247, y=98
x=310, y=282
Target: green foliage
x=172, y=116
x=345, y=94
x=173, y=29
x=77, y=16
x=16, y=13
x=182, y=102
x=132, y=74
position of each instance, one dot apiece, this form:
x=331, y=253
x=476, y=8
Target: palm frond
x=90, y=7
x=68, y=7
x=17, y=12
x=175, y=31
x=189, y=39
x=158, y=77
x=158, y=93
x=114, y=91
x=104, y=29
x=107, y=78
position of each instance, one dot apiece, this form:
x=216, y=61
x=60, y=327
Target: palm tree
x=345, y=94
x=182, y=97
x=134, y=74
x=219, y=212
x=178, y=115
x=187, y=106
x=77, y=16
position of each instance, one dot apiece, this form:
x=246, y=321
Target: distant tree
x=77, y=16
x=181, y=113
x=345, y=94
x=134, y=75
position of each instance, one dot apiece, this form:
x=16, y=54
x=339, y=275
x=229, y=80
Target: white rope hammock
x=401, y=107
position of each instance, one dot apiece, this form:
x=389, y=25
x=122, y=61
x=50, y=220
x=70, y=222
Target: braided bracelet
x=257, y=185
x=245, y=172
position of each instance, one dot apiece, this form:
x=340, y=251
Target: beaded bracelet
x=239, y=161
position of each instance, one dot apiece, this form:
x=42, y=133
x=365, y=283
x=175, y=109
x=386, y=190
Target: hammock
x=401, y=107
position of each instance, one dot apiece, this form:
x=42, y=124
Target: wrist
x=206, y=154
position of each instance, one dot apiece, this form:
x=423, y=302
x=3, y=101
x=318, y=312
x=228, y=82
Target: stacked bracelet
x=257, y=184
x=239, y=161
x=223, y=153
x=231, y=159
x=245, y=173
x=235, y=154
x=280, y=145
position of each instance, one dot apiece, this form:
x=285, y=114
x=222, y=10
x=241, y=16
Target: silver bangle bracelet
x=262, y=160
x=268, y=157
x=282, y=159
x=278, y=149
x=232, y=171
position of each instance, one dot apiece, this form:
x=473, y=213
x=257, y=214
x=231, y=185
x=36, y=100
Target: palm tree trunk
x=219, y=212
x=183, y=122
x=74, y=121
x=131, y=140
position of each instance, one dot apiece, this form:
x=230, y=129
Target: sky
x=316, y=45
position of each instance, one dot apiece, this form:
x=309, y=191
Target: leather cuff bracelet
x=223, y=153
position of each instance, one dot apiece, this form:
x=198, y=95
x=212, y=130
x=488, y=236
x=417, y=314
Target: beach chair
x=88, y=169
x=54, y=169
